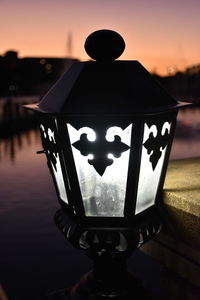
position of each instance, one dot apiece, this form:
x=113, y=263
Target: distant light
x=42, y=61
x=48, y=68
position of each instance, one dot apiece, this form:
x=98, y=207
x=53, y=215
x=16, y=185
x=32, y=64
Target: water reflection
x=190, y=118
x=13, y=117
x=187, y=136
x=33, y=254
x=11, y=108
x=12, y=145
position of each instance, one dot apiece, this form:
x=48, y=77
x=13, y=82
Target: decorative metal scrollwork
x=100, y=150
x=108, y=240
x=154, y=144
x=49, y=144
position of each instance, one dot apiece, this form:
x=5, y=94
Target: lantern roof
x=106, y=86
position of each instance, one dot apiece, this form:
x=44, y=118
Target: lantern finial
x=104, y=45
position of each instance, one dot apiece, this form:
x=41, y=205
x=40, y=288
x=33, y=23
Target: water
x=34, y=256
x=187, y=137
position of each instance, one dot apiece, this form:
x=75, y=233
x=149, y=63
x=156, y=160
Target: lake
x=34, y=257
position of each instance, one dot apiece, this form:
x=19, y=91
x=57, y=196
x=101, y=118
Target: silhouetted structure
x=29, y=75
x=184, y=85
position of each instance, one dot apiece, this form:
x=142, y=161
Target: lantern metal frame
x=57, y=123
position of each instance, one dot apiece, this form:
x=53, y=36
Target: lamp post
x=107, y=127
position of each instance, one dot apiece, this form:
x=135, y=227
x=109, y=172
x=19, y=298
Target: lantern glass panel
x=59, y=179
x=152, y=158
x=49, y=143
x=103, y=194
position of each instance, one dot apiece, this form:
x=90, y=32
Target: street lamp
x=107, y=127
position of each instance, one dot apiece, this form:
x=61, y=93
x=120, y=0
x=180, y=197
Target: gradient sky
x=161, y=34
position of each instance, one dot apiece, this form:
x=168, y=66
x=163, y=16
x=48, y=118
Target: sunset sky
x=162, y=34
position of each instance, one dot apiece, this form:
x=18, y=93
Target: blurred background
x=39, y=41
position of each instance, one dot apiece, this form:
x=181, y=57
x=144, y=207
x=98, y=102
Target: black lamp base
x=59, y=295
x=88, y=288
x=109, y=248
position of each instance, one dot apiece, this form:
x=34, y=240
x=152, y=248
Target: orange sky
x=161, y=34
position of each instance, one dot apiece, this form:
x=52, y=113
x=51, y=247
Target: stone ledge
x=182, y=185
x=181, y=202
x=177, y=247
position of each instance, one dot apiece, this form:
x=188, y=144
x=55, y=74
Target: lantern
x=107, y=128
